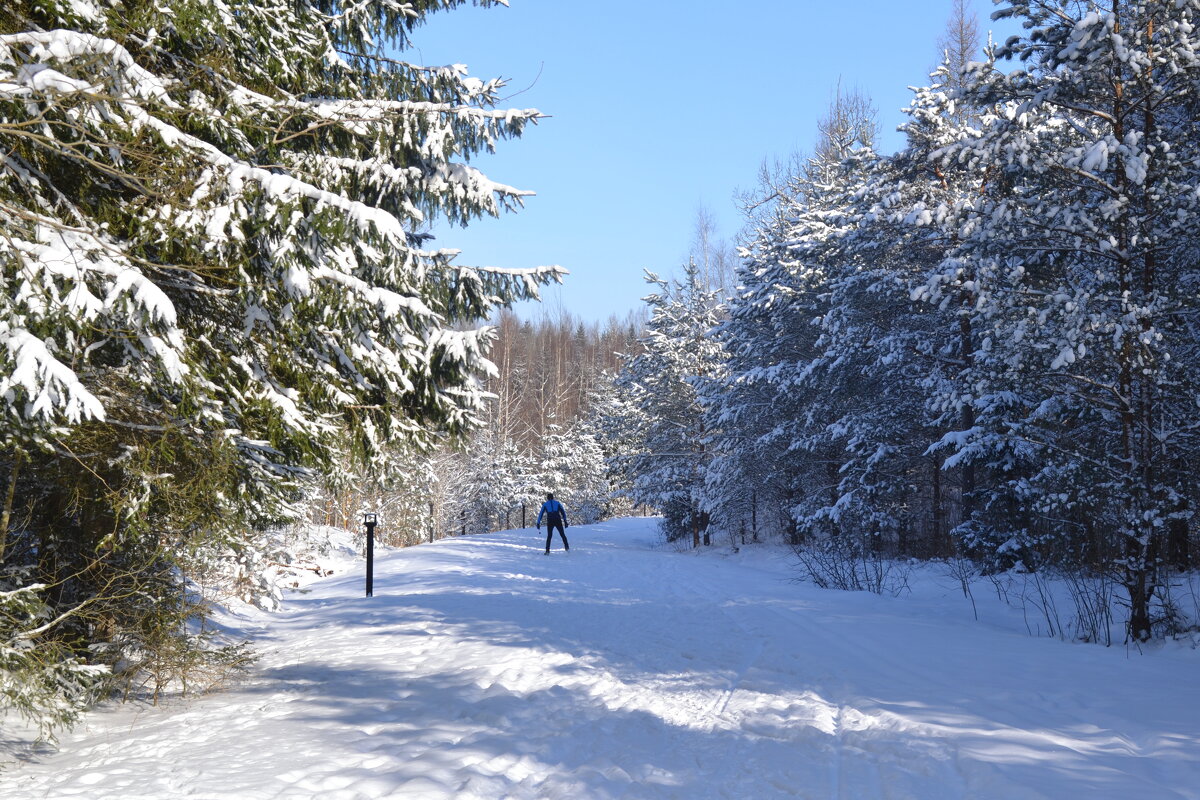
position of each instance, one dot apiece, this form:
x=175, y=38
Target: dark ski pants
x=550, y=526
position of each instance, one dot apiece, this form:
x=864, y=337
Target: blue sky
x=659, y=107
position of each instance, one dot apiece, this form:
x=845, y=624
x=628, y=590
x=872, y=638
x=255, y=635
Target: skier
x=556, y=517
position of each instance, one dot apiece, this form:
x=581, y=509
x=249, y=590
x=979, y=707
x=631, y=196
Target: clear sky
x=659, y=107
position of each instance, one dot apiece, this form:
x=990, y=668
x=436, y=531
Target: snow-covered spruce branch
x=124, y=75
x=464, y=182
x=340, y=113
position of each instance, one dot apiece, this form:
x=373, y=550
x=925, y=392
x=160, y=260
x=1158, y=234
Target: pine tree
x=1079, y=251
x=958, y=47
x=668, y=458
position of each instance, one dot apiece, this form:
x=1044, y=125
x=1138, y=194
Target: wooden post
x=369, y=520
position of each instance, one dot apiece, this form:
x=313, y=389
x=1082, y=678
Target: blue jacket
x=551, y=507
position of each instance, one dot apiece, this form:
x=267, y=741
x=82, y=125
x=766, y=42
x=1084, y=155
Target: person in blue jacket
x=556, y=517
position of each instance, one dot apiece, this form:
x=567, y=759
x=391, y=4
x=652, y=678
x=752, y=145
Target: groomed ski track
x=483, y=669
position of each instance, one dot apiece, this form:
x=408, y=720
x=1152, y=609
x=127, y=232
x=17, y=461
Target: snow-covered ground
x=483, y=669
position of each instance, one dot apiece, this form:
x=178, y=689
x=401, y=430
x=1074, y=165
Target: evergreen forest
x=224, y=319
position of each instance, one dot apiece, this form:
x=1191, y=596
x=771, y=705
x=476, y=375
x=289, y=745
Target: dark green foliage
x=215, y=287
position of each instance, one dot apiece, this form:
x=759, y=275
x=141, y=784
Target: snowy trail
x=482, y=669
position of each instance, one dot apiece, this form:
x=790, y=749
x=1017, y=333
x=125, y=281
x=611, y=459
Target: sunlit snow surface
x=483, y=669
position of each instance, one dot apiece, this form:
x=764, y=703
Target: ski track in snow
x=482, y=669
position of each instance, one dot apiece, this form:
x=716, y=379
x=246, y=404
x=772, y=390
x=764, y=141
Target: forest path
x=483, y=669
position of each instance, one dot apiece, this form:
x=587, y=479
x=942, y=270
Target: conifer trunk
x=9, y=494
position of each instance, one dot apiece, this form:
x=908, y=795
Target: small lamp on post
x=369, y=520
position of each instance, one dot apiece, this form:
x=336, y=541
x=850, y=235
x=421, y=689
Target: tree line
x=982, y=347
x=538, y=433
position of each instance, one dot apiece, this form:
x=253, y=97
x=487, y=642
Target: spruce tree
x=572, y=466
x=776, y=419
x=214, y=280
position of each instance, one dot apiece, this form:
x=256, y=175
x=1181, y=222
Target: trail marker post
x=370, y=520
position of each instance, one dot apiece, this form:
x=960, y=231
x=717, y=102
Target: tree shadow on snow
x=445, y=735
x=619, y=707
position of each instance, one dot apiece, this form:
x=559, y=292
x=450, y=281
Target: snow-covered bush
x=852, y=563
